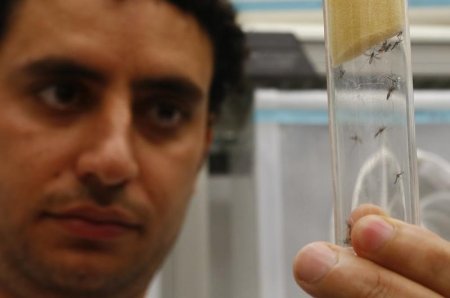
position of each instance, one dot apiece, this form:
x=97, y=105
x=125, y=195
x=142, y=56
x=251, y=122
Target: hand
x=390, y=259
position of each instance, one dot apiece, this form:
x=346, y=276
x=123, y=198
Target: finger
x=324, y=270
x=365, y=209
x=409, y=250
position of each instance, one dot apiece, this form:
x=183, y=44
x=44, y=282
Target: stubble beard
x=25, y=271
x=27, y=274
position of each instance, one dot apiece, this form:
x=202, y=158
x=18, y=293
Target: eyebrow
x=176, y=85
x=62, y=67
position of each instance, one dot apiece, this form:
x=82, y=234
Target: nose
x=107, y=155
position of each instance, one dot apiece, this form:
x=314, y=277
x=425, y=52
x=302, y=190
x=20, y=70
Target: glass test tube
x=371, y=109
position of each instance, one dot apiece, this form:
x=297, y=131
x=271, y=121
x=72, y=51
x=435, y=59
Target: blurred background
x=267, y=188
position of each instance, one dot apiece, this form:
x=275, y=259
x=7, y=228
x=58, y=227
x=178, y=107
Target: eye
x=165, y=115
x=63, y=96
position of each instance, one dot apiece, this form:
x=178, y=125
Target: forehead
x=146, y=34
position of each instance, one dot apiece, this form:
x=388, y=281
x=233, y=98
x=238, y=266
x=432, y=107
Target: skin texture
x=390, y=259
x=103, y=127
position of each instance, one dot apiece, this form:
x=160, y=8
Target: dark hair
x=218, y=19
x=5, y=14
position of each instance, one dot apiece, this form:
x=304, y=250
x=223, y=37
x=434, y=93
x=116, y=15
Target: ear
x=209, y=133
x=208, y=139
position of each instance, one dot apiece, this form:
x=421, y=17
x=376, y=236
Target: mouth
x=94, y=223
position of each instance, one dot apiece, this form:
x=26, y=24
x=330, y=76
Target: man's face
x=103, y=127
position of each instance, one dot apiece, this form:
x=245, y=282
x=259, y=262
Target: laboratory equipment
x=371, y=110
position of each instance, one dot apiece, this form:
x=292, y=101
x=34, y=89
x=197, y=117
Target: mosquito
x=379, y=131
x=372, y=56
x=356, y=139
x=399, y=40
x=348, y=239
x=393, y=85
x=385, y=47
x=341, y=72
x=398, y=176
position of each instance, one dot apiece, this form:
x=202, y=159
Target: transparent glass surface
x=371, y=109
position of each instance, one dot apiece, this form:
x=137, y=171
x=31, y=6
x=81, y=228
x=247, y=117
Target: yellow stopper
x=354, y=26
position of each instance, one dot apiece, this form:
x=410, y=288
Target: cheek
x=21, y=181
x=29, y=163
x=169, y=174
x=28, y=148
x=171, y=177
x=30, y=159
x=168, y=180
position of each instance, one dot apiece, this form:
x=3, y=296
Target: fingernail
x=314, y=261
x=373, y=232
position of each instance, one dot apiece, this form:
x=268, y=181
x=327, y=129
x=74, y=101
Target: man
x=105, y=117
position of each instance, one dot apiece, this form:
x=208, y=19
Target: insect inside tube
x=379, y=131
x=373, y=55
x=356, y=139
x=399, y=40
x=385, y=47
x=341, y=72
x=348, y=238
x=393, y=85
x=397, y=176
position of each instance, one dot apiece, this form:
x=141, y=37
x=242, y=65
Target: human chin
x=84, y=274
x=50, y=258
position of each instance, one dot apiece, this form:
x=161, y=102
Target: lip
x=94, y=223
